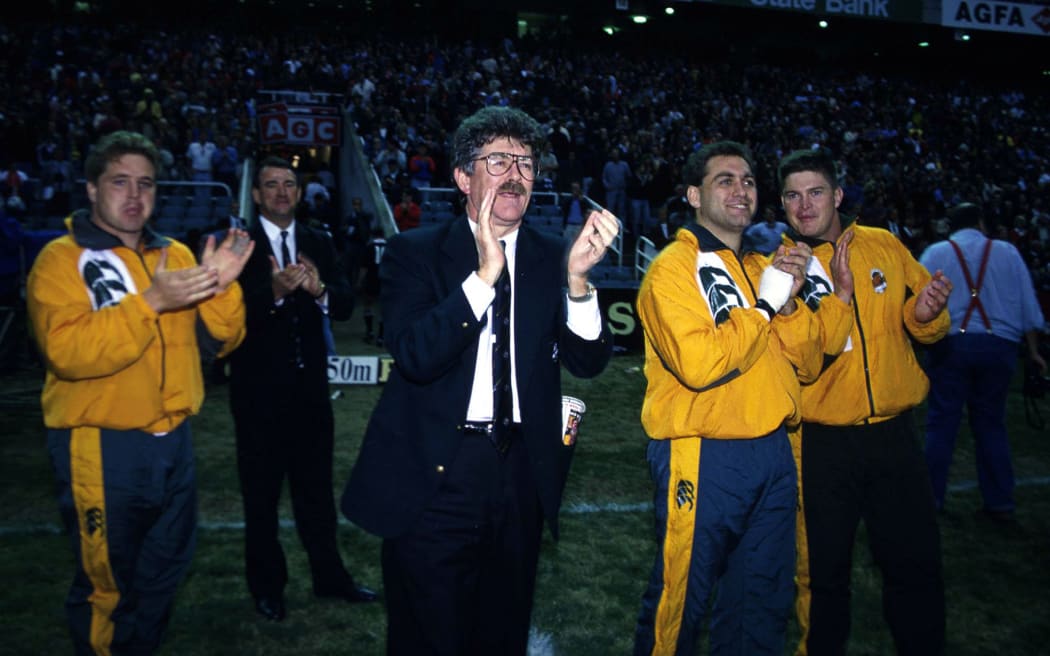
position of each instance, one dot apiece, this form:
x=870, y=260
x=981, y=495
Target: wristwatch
x=586, y=297
x=324, y=288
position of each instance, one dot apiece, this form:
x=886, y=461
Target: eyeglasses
x=498, y=164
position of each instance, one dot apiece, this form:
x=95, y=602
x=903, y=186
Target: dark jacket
x=281, y=337
x=415, y=430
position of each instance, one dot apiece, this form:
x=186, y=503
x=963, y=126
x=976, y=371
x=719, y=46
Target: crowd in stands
x=908, y=147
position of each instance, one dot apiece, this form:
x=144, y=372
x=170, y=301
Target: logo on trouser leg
x=685, y=493
x=94, y=520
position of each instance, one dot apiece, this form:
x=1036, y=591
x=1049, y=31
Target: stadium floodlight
x=640, y=19
x=924, y=44
x=823, y=24
x=669, y=11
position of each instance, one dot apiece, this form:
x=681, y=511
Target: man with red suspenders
x=973, y=366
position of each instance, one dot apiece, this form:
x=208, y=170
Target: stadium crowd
x=909, y=146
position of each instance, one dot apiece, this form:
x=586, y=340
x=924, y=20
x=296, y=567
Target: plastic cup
x=572, y=410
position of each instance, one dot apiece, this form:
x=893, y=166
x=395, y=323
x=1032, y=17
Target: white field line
x=25, y=528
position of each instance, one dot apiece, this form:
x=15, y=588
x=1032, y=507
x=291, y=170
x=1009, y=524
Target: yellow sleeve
x=76, y=340
x=836, y=323
x=917, y=277
x=223, y=315
x=682, y=332
x=799, y=335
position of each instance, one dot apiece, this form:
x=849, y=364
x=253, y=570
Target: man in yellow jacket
x=861, y=459
x=725, y=347
x=115, y=309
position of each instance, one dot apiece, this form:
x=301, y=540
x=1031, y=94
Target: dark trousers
x=873, y=473
x=735, y=541
x=129, y=502
x=293, y=438
x=461, y=582
x=972, y=371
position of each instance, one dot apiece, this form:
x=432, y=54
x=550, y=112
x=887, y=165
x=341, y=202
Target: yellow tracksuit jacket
x=733, y=380
x=112, y=362
x=876, y=376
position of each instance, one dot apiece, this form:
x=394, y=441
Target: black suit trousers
x=291, y=436
x=461, y=581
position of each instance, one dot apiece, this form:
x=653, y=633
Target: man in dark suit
x=279, y=393
x=457, y=483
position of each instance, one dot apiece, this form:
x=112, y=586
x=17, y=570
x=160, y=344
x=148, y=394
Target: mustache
x=512, y=186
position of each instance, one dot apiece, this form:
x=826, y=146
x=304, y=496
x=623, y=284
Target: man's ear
x=692, y=194
x=839, y=194
x=92, y=192
x=462, y=179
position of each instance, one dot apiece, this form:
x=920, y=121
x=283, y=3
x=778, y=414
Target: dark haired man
x=722, y=397
x=992, y=315
x=279, y=396
x=860, y=455
x=115, y=309
x=464, y=458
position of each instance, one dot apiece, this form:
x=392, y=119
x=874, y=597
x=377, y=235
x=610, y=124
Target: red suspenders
x=975, y=289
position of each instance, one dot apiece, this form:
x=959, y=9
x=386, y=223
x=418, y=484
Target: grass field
x=589, y=584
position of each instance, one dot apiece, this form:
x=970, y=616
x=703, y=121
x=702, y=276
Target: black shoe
x=351, y=592
x=272, y=608
x=1002, y=517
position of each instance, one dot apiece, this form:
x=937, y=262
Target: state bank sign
x=300, y=125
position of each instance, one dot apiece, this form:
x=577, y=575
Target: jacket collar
x=88, y=235
x=705, y=238
x=813, y=242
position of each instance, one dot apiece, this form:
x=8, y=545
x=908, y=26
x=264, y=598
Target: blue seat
x=221, y=206
x=168, y=225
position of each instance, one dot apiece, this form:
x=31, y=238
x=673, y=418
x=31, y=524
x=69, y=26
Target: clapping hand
x=933, y=297
x=229, y=258
x=598, y=232
x=312, y=284
x=793, y=260
x=173, y=290
x=287, y=280
x=491, y=258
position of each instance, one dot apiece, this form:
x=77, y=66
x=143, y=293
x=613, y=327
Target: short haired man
x=860, y=455
x=115, y=308
x=722, y=396
x=992, y=316
x=464, y=456
x=279, y=396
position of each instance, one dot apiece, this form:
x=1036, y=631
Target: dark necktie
x=286, y=256
x=297, y=350
x=502, y=397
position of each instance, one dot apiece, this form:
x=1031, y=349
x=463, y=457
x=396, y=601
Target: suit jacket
x=280, y=336
x=415, y=429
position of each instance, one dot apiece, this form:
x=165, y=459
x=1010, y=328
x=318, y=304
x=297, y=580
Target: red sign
x=300, y=126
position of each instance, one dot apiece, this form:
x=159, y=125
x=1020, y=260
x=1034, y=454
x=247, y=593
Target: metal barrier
x=644, y=253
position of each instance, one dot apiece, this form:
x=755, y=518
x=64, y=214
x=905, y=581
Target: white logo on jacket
x=106, y=276
x=718, y=287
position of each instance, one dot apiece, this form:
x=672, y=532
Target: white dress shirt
x=583, y=319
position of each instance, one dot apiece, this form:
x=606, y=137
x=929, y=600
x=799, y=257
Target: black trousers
x=461, y=582
x=874, y=473
x=293, y=438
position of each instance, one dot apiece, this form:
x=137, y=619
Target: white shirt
x=583, y=319
x=200, y=155
x=273, y=233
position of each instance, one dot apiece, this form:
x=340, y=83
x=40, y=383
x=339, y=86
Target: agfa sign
x=999, y=16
